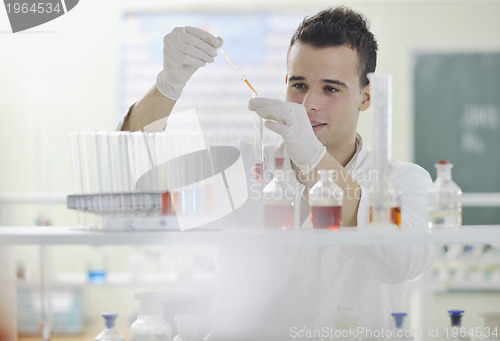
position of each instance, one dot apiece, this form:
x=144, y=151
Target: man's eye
x=299, y=86
x=331, y=89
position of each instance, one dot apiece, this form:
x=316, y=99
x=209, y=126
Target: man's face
x=326, y=81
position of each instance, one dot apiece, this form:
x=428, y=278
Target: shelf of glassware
x=12, y=235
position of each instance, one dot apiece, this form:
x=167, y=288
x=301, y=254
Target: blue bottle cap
x=399, y=319
x=110, y=319
x=456, y=317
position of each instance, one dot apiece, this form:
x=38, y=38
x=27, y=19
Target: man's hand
x=185, y=49
x=290, y=120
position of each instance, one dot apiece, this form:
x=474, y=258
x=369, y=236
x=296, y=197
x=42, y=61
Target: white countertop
x=12, y=235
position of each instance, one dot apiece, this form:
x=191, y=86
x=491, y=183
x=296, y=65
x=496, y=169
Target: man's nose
x=311, y=101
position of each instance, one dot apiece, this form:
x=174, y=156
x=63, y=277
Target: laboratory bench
x=54, y=235
x=48, y=236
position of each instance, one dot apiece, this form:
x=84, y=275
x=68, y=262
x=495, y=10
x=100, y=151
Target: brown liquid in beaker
x=326, y=217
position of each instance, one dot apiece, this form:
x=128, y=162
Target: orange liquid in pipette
x=251, y=87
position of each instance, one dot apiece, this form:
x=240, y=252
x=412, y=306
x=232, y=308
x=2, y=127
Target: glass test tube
x=258, y=124
x=76, y=162
x=258, y=135
x=381, y=97
x=78, y=174
x=104, y=156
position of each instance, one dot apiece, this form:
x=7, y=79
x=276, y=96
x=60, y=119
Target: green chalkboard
x=457, y=118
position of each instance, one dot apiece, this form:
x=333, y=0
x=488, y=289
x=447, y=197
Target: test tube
x=258, y=124
x=90, y=163
x=76, y=155
x=258, y=131
x=381, y=98
x=78, y=174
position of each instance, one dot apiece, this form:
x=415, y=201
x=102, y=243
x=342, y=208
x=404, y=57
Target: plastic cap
x=399, y=319
x=110, y=319
x=443, y=162
x=456, y=317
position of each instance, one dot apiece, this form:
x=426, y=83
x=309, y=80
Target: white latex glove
x=290, y=120
x=185, y=49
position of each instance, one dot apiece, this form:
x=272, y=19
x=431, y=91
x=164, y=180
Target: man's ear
x=365, y=98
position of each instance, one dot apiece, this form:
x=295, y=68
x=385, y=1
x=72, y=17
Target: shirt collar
x=352, y=162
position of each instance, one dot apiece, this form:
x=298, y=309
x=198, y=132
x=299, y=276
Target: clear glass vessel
x=188, y=328
x=325, y=200
x=150, y=325
x=279, y=201
x=444, y=200
x=387, y=205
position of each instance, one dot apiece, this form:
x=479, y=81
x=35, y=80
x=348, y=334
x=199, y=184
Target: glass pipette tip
x=237, y=69
x=258, y=124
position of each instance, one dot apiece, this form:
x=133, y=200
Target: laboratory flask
x=444, y=200
x=279, y=200
x=491, y=322
x=188, y=328
x=325, y=200
x=150, y=324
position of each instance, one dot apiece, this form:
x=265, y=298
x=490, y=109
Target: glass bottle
x=109, y=333
x=188, y=328
x=150, y=324
x=444, y=200
x=325, y=200
x=491, y=323
x=279, y=201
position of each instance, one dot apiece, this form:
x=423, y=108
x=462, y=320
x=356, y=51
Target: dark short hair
x=340, y=26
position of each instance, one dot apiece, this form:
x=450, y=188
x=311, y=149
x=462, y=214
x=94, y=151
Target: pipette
x=237, y=69
x=258, y=124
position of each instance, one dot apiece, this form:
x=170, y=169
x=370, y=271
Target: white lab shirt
x=269, y=293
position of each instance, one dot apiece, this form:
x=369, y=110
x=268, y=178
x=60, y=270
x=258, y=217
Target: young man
x=328, y=60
